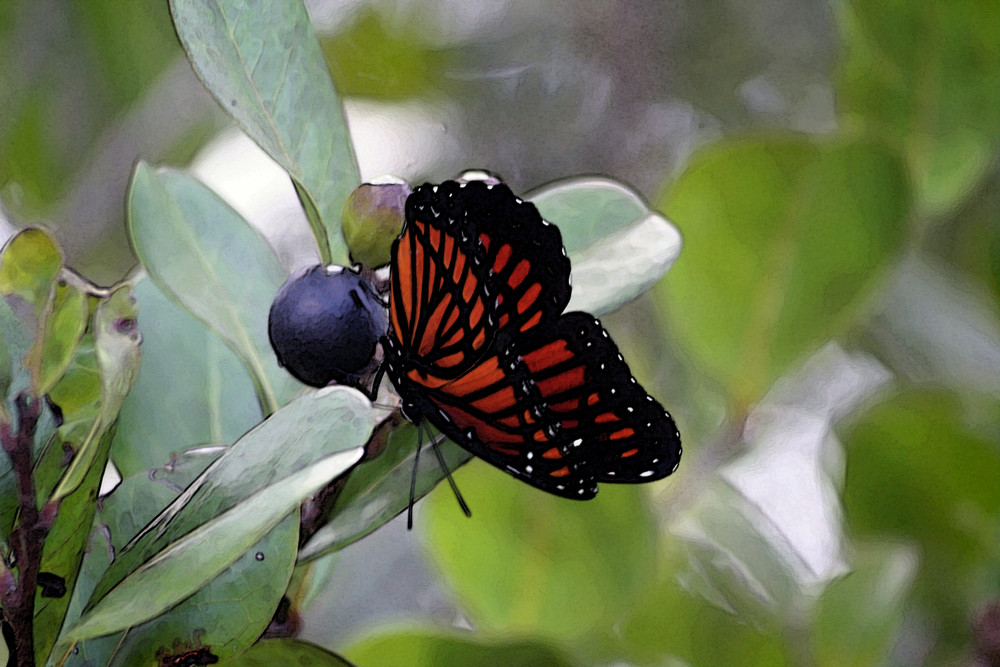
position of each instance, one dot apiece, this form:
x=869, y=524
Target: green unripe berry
x=372, y=219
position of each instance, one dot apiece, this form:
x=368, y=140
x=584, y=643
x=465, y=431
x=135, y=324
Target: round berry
x=324, y=324
x=372, y=219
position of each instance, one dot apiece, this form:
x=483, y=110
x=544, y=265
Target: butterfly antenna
x=413, y=477
x=451, y=481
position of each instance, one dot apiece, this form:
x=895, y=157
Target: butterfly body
x=479, y=346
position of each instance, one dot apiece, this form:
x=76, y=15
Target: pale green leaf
x=207, y=257
x=618, y=247
x=265, y=67
x=234, y=503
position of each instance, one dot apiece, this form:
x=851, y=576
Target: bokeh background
x=828, y=342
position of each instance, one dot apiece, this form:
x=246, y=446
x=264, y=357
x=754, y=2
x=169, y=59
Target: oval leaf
x=265, y=67
x=227, y=615
x=192, y=389
x=234, y=608
x=618, y=247
x=784, y=238
x=189, y=563
x=209, y=259
x=29, y=264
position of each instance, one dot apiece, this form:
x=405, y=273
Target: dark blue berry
x=324, y=324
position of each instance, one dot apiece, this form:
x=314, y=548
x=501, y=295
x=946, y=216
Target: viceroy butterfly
x=478, y=344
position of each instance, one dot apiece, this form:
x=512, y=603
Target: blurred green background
x=828, y=340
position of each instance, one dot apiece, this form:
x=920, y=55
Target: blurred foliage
x=118, y=50
x=942, y=473
x=432, y=648
x=924, y=77
x=88, y=85
x=373, y=58
x=834, y=173
x=781, y=248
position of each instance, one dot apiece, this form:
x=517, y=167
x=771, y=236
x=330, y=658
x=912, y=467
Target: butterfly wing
x=441, y=313
x=559, y=409
x=528, y=268
x=478, y=346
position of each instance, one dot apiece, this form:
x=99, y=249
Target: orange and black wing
x=441, y=309
x=557, y=408
x=528, y=269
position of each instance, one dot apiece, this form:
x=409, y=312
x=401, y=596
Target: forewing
x=440, y=305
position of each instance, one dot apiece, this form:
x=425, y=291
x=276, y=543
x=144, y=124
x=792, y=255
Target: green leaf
x=379, y=489
x=29, y=265
x=65, y=545
x=859, y=615
x=926, y=76
x=671, y=621
x=116, y=350
x=270, y=652
x=64, y=322
x=435, y=649
x=785, y=239
x=233, y=609
x=116, y=344
x=16, y=341
x=232, y=505
x=192, y=390
x=78, y=392
x=382, y=58
x=207, y=257
x=29, y=268
x=133, y=504
x=944, y=497
x=228, y=614
x=619, y=248
x=185, y=565
x=266, y=69
x=563, y=569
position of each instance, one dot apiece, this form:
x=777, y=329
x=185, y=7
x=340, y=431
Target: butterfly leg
x=435, y=442
x=451, y=481
x=413, y=477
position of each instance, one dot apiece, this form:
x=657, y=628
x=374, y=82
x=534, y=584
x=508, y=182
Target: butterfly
x=479, y=346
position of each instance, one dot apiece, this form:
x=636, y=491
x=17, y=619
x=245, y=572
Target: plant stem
x=18, y=593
